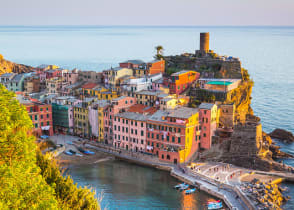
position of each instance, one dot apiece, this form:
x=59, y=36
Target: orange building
x=182, y=80
x=156, y=67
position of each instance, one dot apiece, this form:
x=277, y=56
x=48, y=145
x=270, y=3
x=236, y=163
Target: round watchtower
x=204, y=42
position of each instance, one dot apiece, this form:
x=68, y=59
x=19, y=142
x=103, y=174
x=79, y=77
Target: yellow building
x=114, y=74
x=173, y=101
x=107, y=95
x=81, y=117
x=102, y=106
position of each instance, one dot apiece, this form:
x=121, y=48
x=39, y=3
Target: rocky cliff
x=8, y=66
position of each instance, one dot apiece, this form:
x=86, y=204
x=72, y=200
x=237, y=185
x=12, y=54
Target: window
x=157, y=136
x=142, y=125
x=162, y=137
x=115, y=127
x=131, y=122
x=36, y=117
x=157, y=145
x=204, y=135
x=31, y=117
x=36, y=125
x=48, y=123
x=127, y=122
x=136, y=132
x=168, y=157
x=173, y=139
x=127, y=130
x=148, y=135
x=42, y=124
x=47, y=108
x=152, y=135
x=179, y=130
x=142, y=133
x=41, y=109
x=167, y=138
x=136, y=123
x=31, y=109
x=142, y=142
x=162, y=156
x=41, y=116
x=179, y=139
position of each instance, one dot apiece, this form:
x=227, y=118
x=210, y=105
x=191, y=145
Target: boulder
x=283, y=135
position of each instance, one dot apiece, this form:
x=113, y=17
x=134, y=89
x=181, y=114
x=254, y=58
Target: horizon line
x=110, y=25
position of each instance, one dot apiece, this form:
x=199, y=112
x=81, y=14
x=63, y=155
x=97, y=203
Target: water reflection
x=128, y=186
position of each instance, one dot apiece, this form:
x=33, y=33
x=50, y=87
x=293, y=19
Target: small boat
x=87, y=152
x=73, y=152
x=78, y=154
x=178, y=186
x=68, y=153
x=190, y=191
x=69, y=142
x=184, y=187
x=214, y=205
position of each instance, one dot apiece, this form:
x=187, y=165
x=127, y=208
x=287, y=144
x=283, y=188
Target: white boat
x=190, y=191
x=178, y=186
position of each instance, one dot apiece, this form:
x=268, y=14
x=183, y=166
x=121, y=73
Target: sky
x=147, y=12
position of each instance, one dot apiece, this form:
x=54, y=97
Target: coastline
x=224, y=192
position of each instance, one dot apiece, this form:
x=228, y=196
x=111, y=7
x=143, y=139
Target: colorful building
x=173, y=101
x=40, y=114
x=71, y=77
x=111, y=76
x=147, y=98
x=140, y=68
x=174, y=135
x=63, y=113
x=102, y=107
x=182, y=80
x=129, y=128
x=81, y=117
x=117, y=105
x=208, y=120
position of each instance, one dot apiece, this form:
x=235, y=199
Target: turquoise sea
x=267, y=52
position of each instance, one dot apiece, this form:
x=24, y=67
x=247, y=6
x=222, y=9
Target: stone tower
x=204, y=42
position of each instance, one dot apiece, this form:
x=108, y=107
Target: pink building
x=208, y=122
x=129, y=128
x=117, y=105
x=71, y=77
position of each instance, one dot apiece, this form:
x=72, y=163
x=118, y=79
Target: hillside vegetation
x=28, y=179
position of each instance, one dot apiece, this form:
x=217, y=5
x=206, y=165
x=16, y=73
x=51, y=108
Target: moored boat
x=214, y=205
x=184, y=187
x=68, y=153
x=190, y=191
x=178, y=186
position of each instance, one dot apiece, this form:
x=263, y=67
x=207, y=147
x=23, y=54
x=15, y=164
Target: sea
x=267, y=52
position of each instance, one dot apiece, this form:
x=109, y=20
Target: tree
x=28, y=179
x=159, y=52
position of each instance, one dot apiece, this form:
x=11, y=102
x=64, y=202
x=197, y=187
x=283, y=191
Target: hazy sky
x=147, y=12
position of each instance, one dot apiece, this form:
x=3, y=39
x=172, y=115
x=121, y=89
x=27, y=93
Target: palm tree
x=159, y=52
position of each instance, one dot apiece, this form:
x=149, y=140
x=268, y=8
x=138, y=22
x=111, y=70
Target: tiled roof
x=132, y=116
x=205, y=106
x=182, y=112
x=89, y=85
x=140, y=108
x=134, y=61
x=158, y=116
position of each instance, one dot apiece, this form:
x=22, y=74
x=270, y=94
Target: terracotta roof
x=140, y=108
x=89, y=85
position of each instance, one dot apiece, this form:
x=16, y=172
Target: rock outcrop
x=8, y=66
x=282, y=135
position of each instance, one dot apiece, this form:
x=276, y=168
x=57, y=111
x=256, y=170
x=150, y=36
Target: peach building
x=173, y=135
